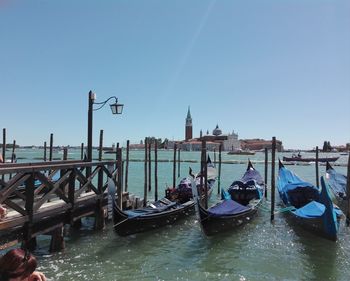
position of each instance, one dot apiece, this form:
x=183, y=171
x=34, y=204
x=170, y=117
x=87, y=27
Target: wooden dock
x=42, y=197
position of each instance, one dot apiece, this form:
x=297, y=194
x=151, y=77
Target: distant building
x=188, y=128
x=260, y=144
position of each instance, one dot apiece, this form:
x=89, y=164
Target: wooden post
x=145, y=185
x=149, y=166
x=348, y=192
x=174, y=166
x=219, y=172
x=155, y=171
x=4, y=144
x=51, y=144
x=65, y=153
x=205, y=174
x=273, y=178
x=82, y=151
x=100, y=146
x=120, y=176
x=29, y=241
x=178, y=162
x=266, y=169
x=127, y=165
x=316, y=166
x=57, y=241
x=45, y=148
x=215, y=155
x=13, y=155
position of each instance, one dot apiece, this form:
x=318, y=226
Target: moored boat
x=239, y=205
x=309, y=207
x=299, y=158
x=337, y=183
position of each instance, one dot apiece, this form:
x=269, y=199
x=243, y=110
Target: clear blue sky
x=261, y=68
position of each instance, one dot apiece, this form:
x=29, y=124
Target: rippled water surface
x=257, y=251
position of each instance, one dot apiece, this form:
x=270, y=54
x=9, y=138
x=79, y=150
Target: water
x=257, y=251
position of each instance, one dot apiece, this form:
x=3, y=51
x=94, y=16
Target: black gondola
x=157, y=214
x=239, y=206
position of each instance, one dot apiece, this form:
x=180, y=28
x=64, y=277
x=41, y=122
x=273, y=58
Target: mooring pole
x=316, y=166
x=266, y=169
x=273, y=178
x=205, y=166
x=155, y=171
x=82, y=151
x=145, y=185
x=100, y=146
x=51, y=146
x=13, y=155
x=149, y=166
x=174, y=166
x=348, y=192
x=127, y=165
x=45, y=148
x=4, y=144
x=219, y=175
x=120, y=176
x=178, y=162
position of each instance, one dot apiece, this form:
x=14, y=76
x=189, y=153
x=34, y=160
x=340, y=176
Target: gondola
x=239, y=205
x=337, y=183
x=157, y=214
x=309, y=207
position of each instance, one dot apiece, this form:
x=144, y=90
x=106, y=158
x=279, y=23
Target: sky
x=259, y=68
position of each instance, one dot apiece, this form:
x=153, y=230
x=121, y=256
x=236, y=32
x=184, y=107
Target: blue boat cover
x=227, y=207
x=311, y=210
x=330, y=219
x=149, y=210
x=252, y=174
x=288, y=181
x=337, y=182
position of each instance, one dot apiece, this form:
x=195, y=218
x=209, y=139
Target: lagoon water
x=259, y=250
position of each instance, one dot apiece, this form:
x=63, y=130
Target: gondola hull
x=125, y=224
x=212, y=225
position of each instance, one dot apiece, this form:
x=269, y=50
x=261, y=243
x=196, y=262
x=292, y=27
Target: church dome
x=217, y=131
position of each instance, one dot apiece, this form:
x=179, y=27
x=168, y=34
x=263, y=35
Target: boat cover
x=288, y=181
x=252, y=174
x=148, y=210
x=311, y=210
x=337, y=182
x=227, y=207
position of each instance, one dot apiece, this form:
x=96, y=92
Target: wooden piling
x=57, y=241
x=120, y=176
x=127, y=165
x=174, y=166
x=205, y=172
x=51, y=147
x=65, y=153
x=4, y=144
x=82, y=151
x=45, y=148
x=219, y=172
x=316, y=166
x=178, y=162
x=273, y=178
x=266, y=169
x=348, y=192
x=28, y=241
x=155, y=171
x=99, y=213
x=149, y=166
x=145, y=170
x=13, y=155
x=214, y=156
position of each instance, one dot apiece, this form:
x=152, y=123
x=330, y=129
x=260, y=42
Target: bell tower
x=188, y=129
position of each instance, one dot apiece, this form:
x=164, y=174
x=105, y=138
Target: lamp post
x=116, y=108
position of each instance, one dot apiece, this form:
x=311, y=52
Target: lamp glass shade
x=117, y=108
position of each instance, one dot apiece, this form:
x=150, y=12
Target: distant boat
x=337, y=182
x=299, y=158
x=241, y=152
x=308, y=206
x=239, y=206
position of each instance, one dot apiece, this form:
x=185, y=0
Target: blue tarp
x=227, y=207
x=311, y=210
x=252, y=174
x=337, y=182
x=149, y=210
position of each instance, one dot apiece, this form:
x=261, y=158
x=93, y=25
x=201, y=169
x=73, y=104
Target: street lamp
x=116, y=108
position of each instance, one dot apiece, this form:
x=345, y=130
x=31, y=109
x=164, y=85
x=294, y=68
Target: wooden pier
x=42, y=197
